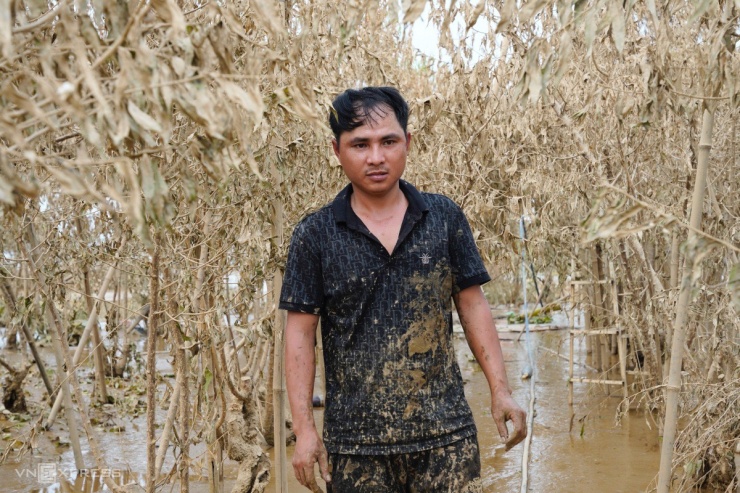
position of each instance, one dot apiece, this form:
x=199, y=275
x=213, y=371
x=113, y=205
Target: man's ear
x=335, y=145
x=408, y=141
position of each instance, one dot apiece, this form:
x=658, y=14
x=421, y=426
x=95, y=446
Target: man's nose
x=376, y=155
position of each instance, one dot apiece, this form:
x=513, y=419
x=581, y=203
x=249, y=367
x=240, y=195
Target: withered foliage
x=198, y=129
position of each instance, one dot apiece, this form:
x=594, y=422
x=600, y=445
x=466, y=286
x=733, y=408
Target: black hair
x=354, y=108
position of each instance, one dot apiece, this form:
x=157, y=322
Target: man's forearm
x=480, y=332
x=300, y=370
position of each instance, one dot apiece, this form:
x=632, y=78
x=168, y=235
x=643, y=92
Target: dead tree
x=14, y=399
x=243, y=441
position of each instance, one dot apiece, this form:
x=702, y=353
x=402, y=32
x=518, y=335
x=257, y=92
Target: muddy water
x=595, y=457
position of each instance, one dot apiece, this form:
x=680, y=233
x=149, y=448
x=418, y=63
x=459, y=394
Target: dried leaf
x=734, y=284
x=565, y=53
x=530, y=9
x=6, y=28
x=249, y=99
x=269, y=16
x=412, y=10
x=6, y=192
x=70, y=181
x=617, y=24
x=653, y=12
x=506, y=14
x=142, y=119
x=171, y=13
x=474, y=15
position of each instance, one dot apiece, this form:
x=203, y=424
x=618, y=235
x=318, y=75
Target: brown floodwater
x=596, y=456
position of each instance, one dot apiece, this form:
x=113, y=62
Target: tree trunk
x=14, y=399
x=242, y=432
x=92, y=320
x=101, y=393
x=682, y=309
x=63, y=359
x=10, y=301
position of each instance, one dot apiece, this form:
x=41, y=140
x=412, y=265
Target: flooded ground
x=595, y=457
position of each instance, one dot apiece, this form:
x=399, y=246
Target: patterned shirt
x=392, y=381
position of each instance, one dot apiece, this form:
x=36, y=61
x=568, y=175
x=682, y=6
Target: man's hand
x=300, y=369
x=503, y=409
x=309, y=449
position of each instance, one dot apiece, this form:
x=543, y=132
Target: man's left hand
x=503, y=409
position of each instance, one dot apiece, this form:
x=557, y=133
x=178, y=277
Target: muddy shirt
x=392, y=381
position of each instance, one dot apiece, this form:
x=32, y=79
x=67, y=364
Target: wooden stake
x=682, y=309
x=279, y=396
x=528, y=440
x=151, y=366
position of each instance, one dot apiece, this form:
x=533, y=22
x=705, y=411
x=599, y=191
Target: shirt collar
x=343, y=210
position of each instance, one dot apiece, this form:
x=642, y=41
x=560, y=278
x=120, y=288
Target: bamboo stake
x=675, y=256
x=264, y=369
x=603, y=310
x=182, y=359
x=596, y=314
x=528, y=440
x=268, y=419
x=151, y=366
x=279, y=391
x=682, y=309
x=279, y=395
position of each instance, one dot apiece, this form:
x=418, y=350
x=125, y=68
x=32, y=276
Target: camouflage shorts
x=452, y=468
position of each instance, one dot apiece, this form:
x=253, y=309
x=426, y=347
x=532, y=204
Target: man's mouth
x=377, y=175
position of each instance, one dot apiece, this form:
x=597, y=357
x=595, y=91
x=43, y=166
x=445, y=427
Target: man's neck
x=377, y=205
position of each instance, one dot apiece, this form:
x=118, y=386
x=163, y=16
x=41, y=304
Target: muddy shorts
x=454, y=468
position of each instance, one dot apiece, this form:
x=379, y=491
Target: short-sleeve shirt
x=393, y=384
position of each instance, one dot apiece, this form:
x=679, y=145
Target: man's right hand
x=309, y=449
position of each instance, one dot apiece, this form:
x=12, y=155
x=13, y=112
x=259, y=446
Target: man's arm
x=300, y=371
x=480, y=331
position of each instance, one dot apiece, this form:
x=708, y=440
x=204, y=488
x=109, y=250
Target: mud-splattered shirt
x=392, y=381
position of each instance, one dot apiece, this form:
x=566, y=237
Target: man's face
x=373, y=156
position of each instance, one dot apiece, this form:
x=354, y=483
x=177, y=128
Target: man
x=380, y=266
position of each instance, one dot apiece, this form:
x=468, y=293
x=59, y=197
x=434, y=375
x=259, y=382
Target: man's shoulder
x=320, y=215
x=439, y=202
x=316, y=221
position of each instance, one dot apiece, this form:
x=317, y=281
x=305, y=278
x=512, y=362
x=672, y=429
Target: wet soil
x=596, y=455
